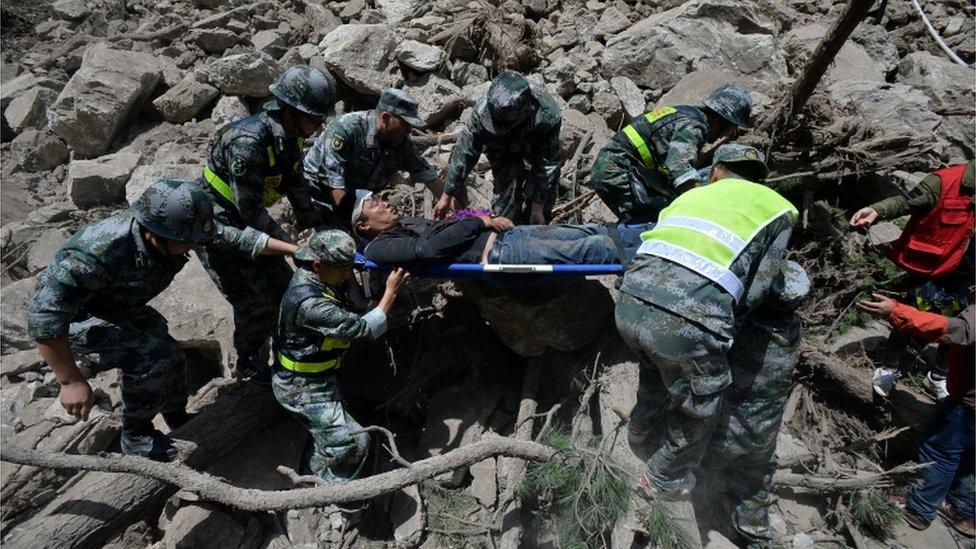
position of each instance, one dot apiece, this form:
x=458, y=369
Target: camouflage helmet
x=333, y=248
x=177, y=210
x=732, y=103
x=749, y=162
x=509, y=95
x=307, y=89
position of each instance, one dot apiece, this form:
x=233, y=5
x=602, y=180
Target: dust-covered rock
x=101, y=181
x=39, y=150
x=228, y=109
x=248, y=74
x=44, y=249
x=948, y=85
x=438, y=97
x=146, y=175
x=183, y=101
x=29, y=109
x=630, y=96
x=213, y=41
x=14, y=304
x=362, y=56
x=200, y=525
x=100, y=98
x=419, y=56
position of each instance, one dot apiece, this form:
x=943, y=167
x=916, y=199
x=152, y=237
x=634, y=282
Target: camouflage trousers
x=137, y=342
x=254, y=288
x=316, y=402
x=740, y=460
x=512, y=194
x=631, y=191
x=683, y=375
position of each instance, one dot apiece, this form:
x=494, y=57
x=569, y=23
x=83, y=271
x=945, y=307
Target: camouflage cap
x=333, y=248
x=732, y=103
x=178, y=210
x=307, y=89
x=400, y=103
x=509, y=95
x=745, y=160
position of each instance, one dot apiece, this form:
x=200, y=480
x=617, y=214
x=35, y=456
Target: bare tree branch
x=828, y=484
x=217, y=490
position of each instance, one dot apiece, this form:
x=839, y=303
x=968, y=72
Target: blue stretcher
x=477, y=270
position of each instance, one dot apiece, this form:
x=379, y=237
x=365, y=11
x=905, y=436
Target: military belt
x=307, y=367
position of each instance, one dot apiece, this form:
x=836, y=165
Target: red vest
x=933, y=243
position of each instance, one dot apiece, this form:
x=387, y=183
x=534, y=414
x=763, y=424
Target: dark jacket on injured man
x=421, y=242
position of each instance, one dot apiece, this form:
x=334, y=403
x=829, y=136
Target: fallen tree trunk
x=214, y=489
x=819, y=62
x=821, y=483
x=95, y=506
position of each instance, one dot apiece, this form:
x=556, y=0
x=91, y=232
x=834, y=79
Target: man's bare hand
x=499, y=224
x=396, y=279
x=77, y=397
x=880, y=307
x=864, y=217
x=537, y=216
x=445, y=206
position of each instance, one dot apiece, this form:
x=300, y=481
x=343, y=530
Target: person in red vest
x=946, y=486
x=936, y=249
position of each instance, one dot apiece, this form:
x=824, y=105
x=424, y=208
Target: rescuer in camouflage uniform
x=364, y=149
x=253, y=162
x=740, y=459
x=315, y=327
x=91, y=300
x=711, y=259
x=652, y=160
x=516, y=123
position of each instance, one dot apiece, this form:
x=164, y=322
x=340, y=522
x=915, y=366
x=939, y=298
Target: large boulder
x=109, y=87
x=200, y=525
x=29, y=109
x=101, y=181
x=949, y=86
x=197, y=315
x=438, y=98
x=143, y=176
x=631, y=97
x=362, y=56
x=702, y=34
x=228, y=109
x=695, y=86
x=213, y=41
x=14, y=303
x=247, y=74
x=419, y=56
x=852, y=62
x=553, y=312
x=39, y=151
x=44, y=249
x=183, y=101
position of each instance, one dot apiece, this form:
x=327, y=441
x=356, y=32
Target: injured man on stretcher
x=414, y=242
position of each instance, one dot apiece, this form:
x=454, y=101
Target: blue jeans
x=949, y=445
x=589, y=244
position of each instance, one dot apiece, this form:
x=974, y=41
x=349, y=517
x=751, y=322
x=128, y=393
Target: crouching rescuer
x=315, y=328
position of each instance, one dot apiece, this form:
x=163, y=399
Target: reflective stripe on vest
x=702, y=232
x=638, y=142
x=332, y=350
x=269, y=194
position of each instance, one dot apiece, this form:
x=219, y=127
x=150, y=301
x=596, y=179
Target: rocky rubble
x=100, y=98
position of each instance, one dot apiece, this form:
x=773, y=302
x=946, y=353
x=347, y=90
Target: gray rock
x=351, y=9
x=44, y=249
x=198, y=316
x=99, y=99
x=484, y=482
x=271, y=42
x=695, y=86
x=419, y=56
x=887, y=109
x=468, y=74
x=228, y=109
x=851, y=63
x=14, y=303
x=536, y=7
x=71, y=10
x=208, y=4
x=561, y=73
x=39, y=151
x=438, y=98
x=321, y=19
x=612, y=21
x=397, y=10
x=609, y=107
x=883, y=235
x=248, y=74
x=947, y=84
x=200, y=525
x=630, y=96
x=29, y=109
x=580, y=102
x=22, y=361
x=553, y=312
x=408, y=515
x=362, y=56
x=51, y=213
x=101, y=181
x=700, y=34
x=143, y=176
x=212, y=41
x=183, y=101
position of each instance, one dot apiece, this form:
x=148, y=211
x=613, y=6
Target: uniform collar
x=144, y=257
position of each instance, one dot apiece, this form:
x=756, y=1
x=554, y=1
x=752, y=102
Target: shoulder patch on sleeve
x=338, y=141
x=238, y=166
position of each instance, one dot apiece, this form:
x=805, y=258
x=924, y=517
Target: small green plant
x=445, y=511
x=582, y=491
x=663, y=528
x=874, y=515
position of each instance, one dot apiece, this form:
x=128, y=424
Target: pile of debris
x=101, y=97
